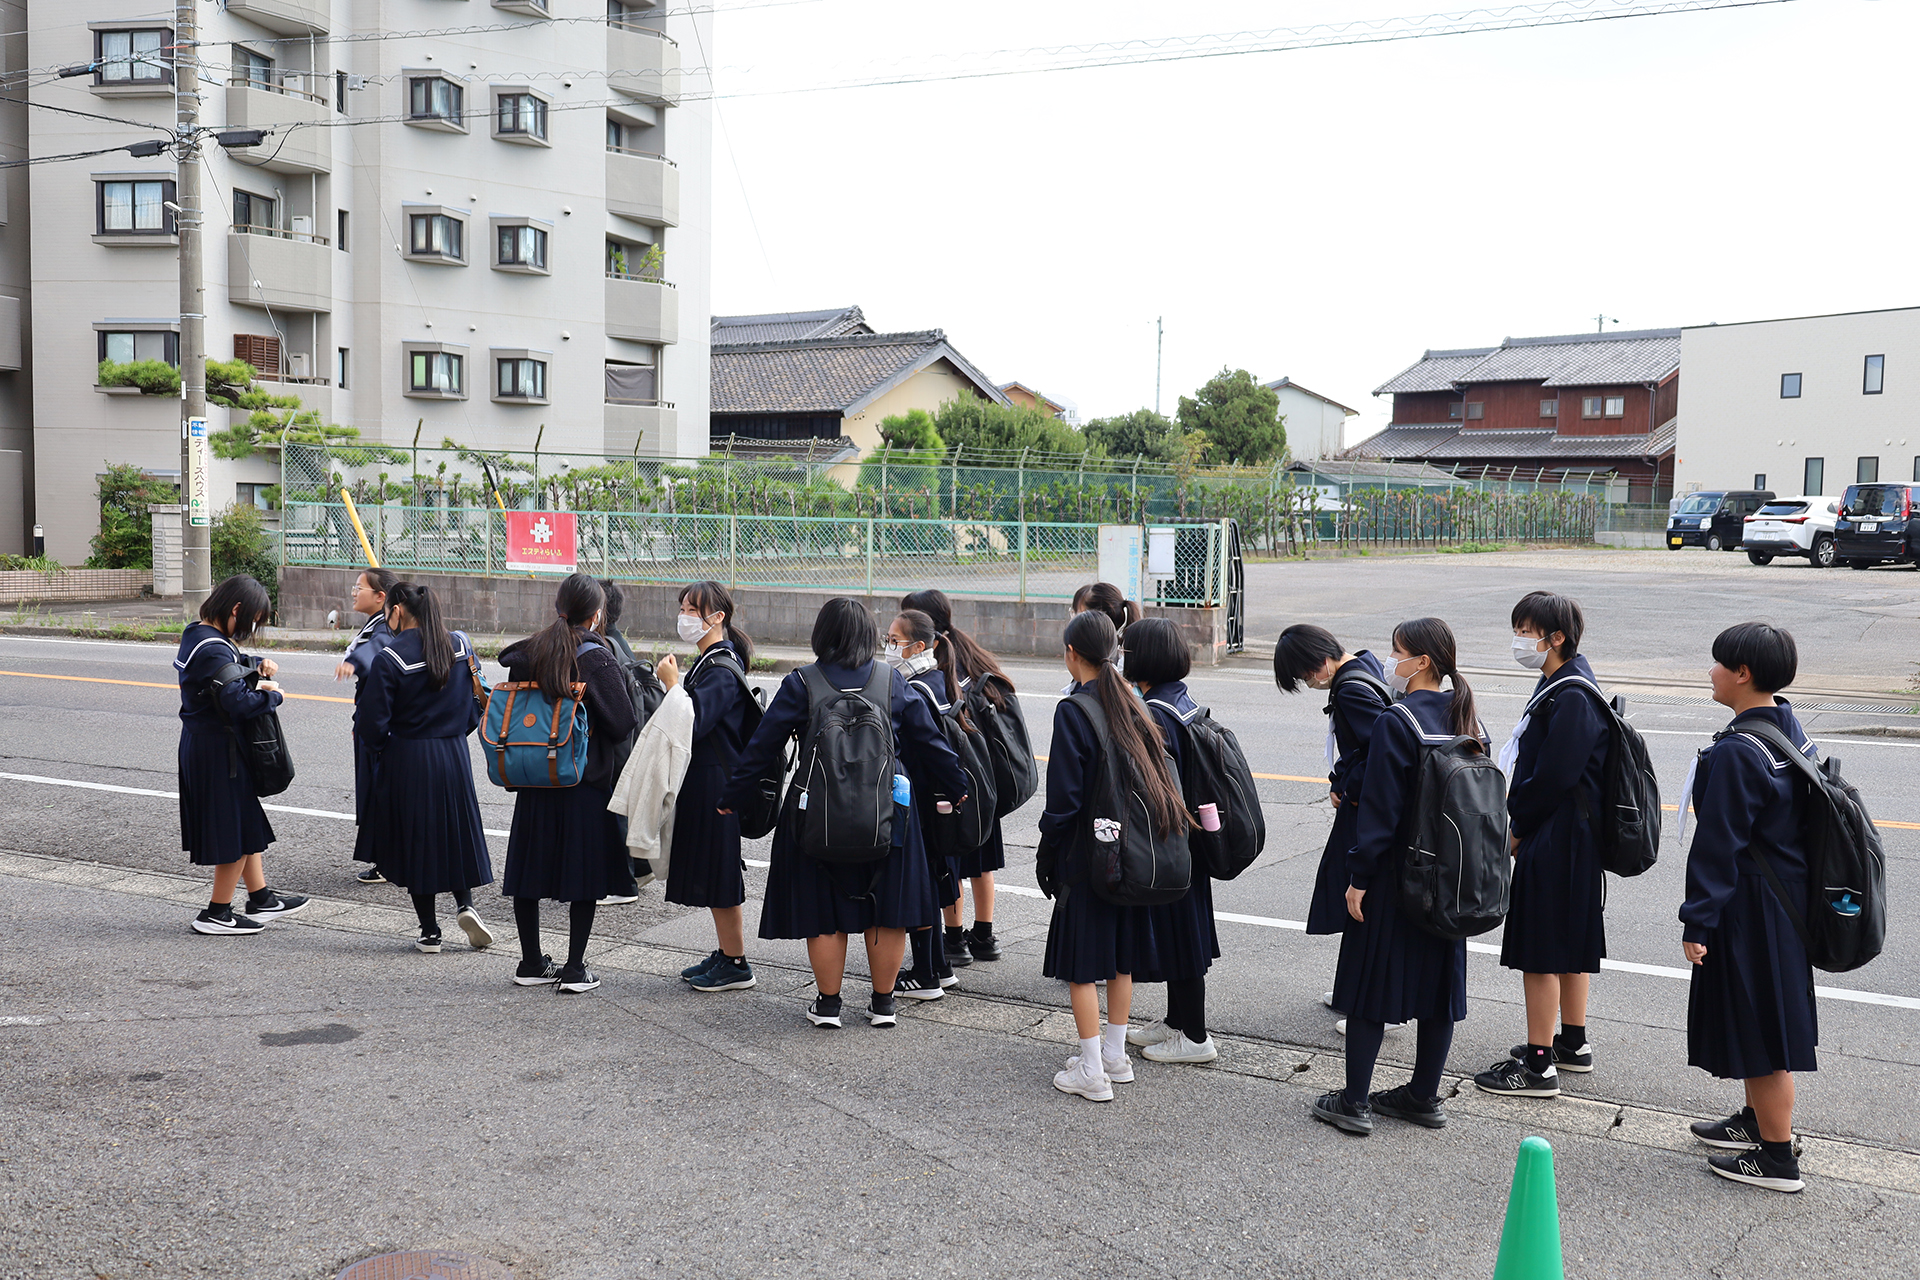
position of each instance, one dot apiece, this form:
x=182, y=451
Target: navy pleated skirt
x=1184, y=941
x=1751, y=1011
x=1090, y=940
x=221, y=820
x=990, y=856
x=1327, y=912
x=427, y=836
x=564, y=845
x=363, y=806
x=1393, y=971
x=1555, y=921
x=703, y=866
x=807, y=898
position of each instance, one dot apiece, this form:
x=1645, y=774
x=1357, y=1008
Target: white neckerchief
x=1510, y=754
x=1686, y=796
x=1333, y=747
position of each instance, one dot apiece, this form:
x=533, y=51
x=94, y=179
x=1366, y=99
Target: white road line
x=1226, y=917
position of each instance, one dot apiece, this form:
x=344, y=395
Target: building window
x=435, y=98
x=1453, y=411
x=340, y=230
x=261, y=350
x=253, y=211
x=1814, y=482
x=522, y=379
x=340, y=369
x=1759, y=480
x=523, y=114
x=1866, y=471
x=1590, y=406
x=1875, y=376
x=1476, y=410
x=1549, y=408
x=437, y=235
x=123, y=347
x=1616, y=406
x=340, y=92
x=134, y=208
x=618, y=12
x=616, y=135
x=253, y=495
x=523, y=247
x=133, y=57
x=250, y=68
x=1789, y=386
x=436, y=372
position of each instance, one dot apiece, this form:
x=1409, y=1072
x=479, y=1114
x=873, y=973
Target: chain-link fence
x=1452, y=517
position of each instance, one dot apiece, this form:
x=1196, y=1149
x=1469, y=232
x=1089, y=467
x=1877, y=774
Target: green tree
x=272, y=420
x=239, y=543
x=982, y=424
x=1240, y=418
x=913, y=429
x=153, y=377
x=125, y=540
x=1140, y=434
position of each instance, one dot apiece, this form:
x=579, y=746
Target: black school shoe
x=1578, y=1060
x=1758, y=1169
x=269, y=905
x=1334, y=1109
x=985, y=947
x=1738, y=1132
x=1512, y=1078
x=959, y=955
x=1402, y=1105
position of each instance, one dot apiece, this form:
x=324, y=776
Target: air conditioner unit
x=356, y=83
x=299, y=364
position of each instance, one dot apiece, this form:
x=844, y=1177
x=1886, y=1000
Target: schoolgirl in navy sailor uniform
x=1391, y=970
x=414, y=717
x=221, y=822
x=704, y=867
x=1750, y=1013
x=917, y=650
x=370, y=589
x=1555, y=931
x=1184, y=940
x=821, y=902
x=564, y=844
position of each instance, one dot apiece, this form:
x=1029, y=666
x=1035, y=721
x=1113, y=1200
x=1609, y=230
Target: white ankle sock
x=1090, y=1051
x=1116, y=1040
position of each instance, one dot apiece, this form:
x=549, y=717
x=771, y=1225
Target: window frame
x=1798, y=385
x=1873, y=375
x=166, y=230
x=1608, y=406
x=129, y=83
x=1550, y=408
x=343, y=360
x=1806, y=476
x=246, y=63
x=454, y=121
x=542, y=109
x=272, y=204
x=498, y=226
x=454, y=217
x=450, y=355
x=169, y=346
x=1476, y=411
x=521, y=358
x=1591, y=406
x=1456, y=409
x=1861, y=467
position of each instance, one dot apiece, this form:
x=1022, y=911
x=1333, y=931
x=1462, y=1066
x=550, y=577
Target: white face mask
x=1395, y=681
x=692, y=627
x=1527, y=654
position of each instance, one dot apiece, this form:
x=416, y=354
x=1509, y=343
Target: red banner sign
x=544, y=541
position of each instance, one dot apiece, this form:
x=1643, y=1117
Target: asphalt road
x=1016, y=1163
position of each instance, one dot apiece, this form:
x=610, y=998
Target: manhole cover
x=426, y=1264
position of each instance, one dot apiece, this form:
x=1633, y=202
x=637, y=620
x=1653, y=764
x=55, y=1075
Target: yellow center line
x=152, y=684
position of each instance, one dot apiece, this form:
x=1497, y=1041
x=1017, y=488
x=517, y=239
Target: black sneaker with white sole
x=882, y=1010
x=984, y=946
x=1565, y=1057
x=824, y=1011
x=428, y=942
x=909, y=987
x=1402, y=1105
x=371, y=876
x=269, y=905
x=693, y=971
x=1334, y=1109
x=1738, y=1132
x=577, y=980
x=225, y=924
x=1758, y=1169
x=536, y=973
x=1512, y=1078
x=958, y=954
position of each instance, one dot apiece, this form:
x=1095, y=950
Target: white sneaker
x=1340, y=1027
x=478, y=935
x=1119, y=1070
x=1093, y=1085
x=1152, y=1033
x=1326, y=998
x=1181, y=1049
x=618, y=899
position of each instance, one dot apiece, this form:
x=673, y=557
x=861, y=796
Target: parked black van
x=1714, y=518
x=1878, y=524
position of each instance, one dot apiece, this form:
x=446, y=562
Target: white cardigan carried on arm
x=649, y=787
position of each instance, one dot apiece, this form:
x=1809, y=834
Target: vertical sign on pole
x=1120, y=553
x=199, y=505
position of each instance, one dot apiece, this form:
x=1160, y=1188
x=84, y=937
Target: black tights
x=1187, y=1007
x=1429, y=1060
x=526, y=919
x=429, y=919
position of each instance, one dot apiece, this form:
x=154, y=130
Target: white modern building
x=1316, y=425
x=1805, y=405
x=476, y=224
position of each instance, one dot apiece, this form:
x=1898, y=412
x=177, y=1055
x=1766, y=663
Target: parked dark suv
x=1714, y=518
x=1878, y=525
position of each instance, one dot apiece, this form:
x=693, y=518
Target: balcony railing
x=287, y=82
x=279, y=233
x=626, y=25
x=630, y=275
x=635, y=151
x=642, y=404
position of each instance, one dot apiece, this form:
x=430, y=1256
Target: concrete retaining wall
x=29, y=585
x=1608, y=538
x=518, y=606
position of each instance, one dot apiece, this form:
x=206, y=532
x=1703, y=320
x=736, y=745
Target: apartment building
x=484, y=222
x=16, y=302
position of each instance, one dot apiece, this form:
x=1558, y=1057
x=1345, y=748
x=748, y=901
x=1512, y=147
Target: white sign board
x=1160, y=544
x=1120, y=557
x=199, y=501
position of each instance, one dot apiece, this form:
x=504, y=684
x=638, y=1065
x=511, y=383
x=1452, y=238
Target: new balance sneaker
x=227, y=923
x=577, y=980
x=1566, y=1058
x=371, y=876
x=1758, y=1169
x=536, y=973
x=1514, y=1079
x=693, y=971
x=269, y=905
x=1181, y=1049
x=983, y=946
x=954, y=943
x=1738, y=1132
x=882, y=1010
x=479, y=937
x=728, y=973
x=1334, y=1109
x=1402, y=1105
x=1119, y=1070
x=1091, y=1083
x=428, y=942
x=908, y=987
x=824, y=1011
x=1152, y=1033
x=617, y=900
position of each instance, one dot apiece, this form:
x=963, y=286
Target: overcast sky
x=1323, y=214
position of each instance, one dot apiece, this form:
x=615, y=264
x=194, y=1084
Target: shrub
x=125, y=540
x=39, y=564
x=240, y=544
x=153, y=377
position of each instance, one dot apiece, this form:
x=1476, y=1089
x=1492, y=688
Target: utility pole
x=1159, y=342
x=1602, y=321
x=196, y=570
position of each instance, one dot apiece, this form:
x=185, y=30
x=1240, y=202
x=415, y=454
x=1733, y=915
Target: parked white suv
x=1792, y=527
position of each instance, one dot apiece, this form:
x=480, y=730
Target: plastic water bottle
x=1845, y=905
x=902, y=789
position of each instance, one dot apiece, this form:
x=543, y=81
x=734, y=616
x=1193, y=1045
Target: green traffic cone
x=1530, y=1241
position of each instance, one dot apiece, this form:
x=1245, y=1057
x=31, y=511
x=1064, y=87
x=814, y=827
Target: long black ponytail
x=709, y=597
x=920, y=628
x=1091, y=635
x=436, y=644
x=1433, y=639
x=972, y=655
x=551, y=652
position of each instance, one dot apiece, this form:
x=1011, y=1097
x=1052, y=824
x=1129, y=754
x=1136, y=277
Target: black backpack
x=1213, y=770
x=840, y=803
x=1363, y=677
x=1843, y=923
x=1016, y=775
x=258, y=744
x=1457, y=867
x=644, y=691
x=970, y=825
x=1629, y=826
x=1129, y=863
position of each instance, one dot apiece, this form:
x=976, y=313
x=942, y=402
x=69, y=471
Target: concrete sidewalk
x=284, y=1105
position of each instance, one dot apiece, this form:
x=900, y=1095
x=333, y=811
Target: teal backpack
x=531, y=740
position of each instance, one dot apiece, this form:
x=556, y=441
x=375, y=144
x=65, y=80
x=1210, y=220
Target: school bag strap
x=1366, y=680
x=1763, y=733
